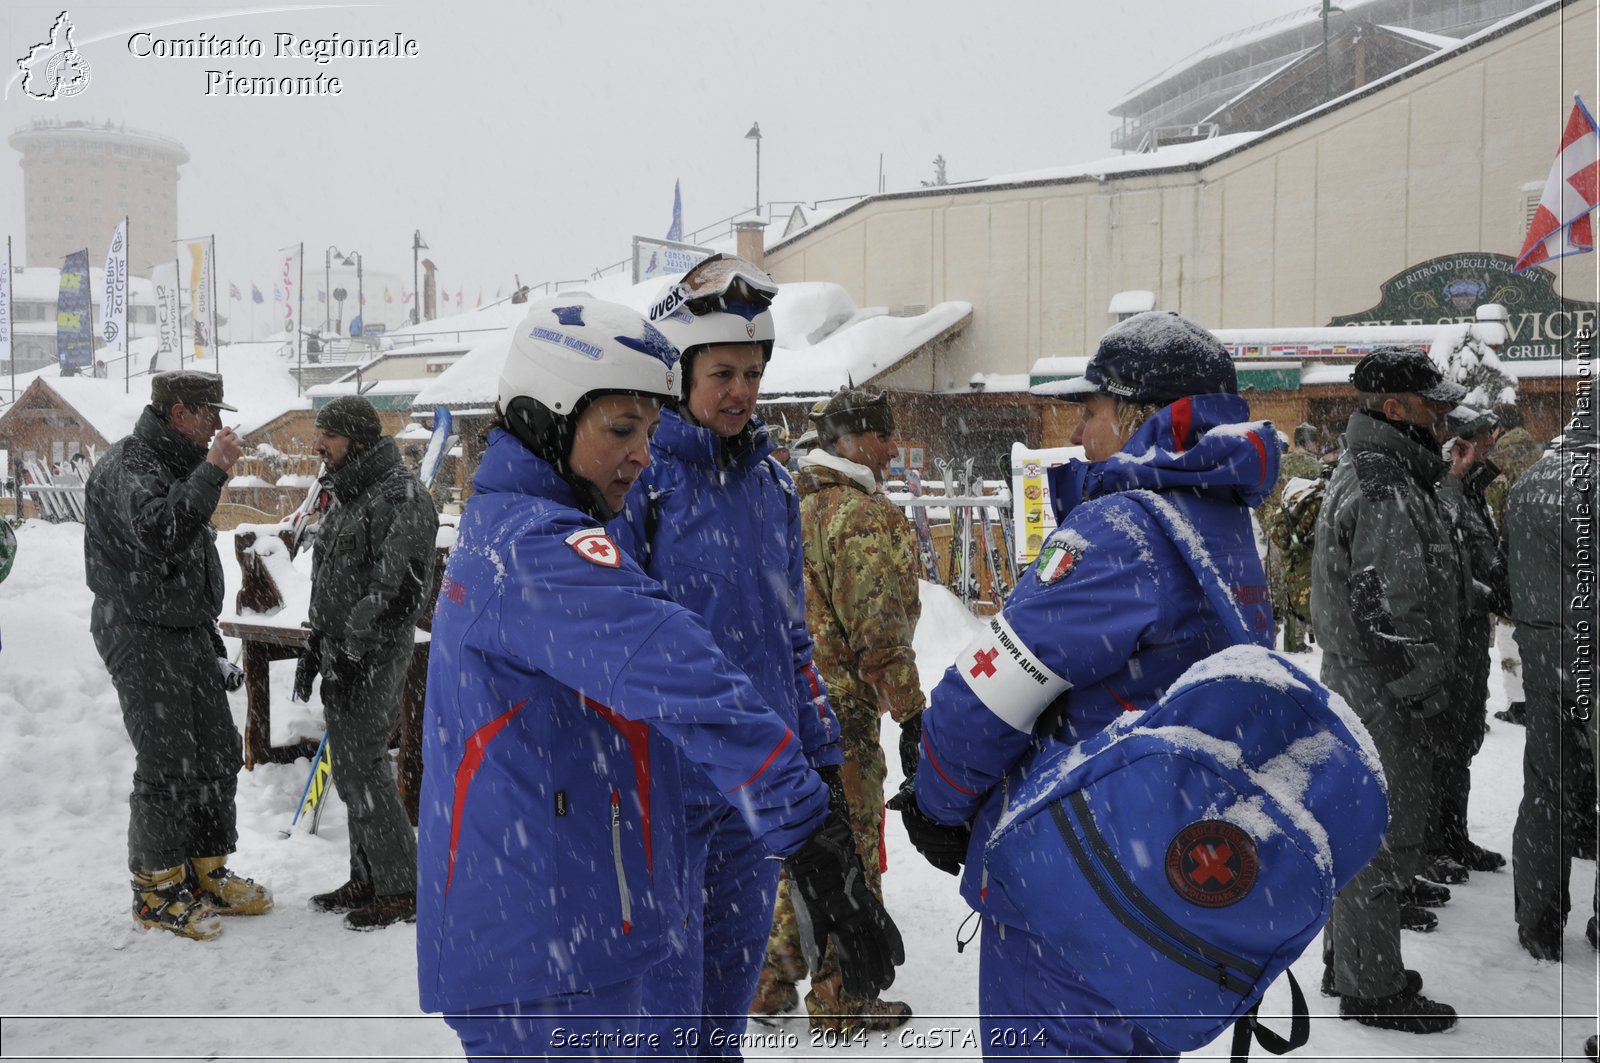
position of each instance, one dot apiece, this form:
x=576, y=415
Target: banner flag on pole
x=200, y=295
x=5, y=314
x=74, y=340
x=1562, y=225
x=168, y=340
x=255, y=294
x=114, y=296
x=675, y=231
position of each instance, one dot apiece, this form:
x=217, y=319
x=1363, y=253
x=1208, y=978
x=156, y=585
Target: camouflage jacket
x=861, y=587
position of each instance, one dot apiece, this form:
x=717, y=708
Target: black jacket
x=150, y=553
x=374, y=554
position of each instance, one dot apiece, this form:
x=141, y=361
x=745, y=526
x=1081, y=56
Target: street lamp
x=417, y=245
x=327, y=284
x=361, y=297
x=755, y=135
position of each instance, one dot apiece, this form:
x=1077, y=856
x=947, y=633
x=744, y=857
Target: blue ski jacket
x=563, y=683
x=720, y=529
x=1107, y=617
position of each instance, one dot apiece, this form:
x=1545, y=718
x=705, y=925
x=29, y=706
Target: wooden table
x=265, y=642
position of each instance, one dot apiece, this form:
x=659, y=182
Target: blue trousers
x=599, y=1024
x=1033, y=1003
x=697, y=999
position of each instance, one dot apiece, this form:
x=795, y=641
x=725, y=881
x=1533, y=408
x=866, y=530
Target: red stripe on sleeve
x=471, y=761
x=926, y=748
x=788, y=736
x=1182, y=418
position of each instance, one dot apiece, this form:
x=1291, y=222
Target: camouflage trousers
x=863, y=773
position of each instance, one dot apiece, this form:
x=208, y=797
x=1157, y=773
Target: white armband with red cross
x=1007, y=676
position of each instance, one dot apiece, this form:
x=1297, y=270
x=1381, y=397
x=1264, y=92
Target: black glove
x=305, y=670
x=910, y=745
x=830, y=887
x=232, y=674
x=942, y=846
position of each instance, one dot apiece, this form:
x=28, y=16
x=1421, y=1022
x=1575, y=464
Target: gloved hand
x=910, y=745
x=943, y=846
x=232, y=674
x=830, y=888
x=305, y=672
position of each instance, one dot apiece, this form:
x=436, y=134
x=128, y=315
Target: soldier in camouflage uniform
x=1289, y=540
x=862, y=609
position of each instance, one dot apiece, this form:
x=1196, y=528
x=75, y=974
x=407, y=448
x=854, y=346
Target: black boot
x=1405, y=1011
x=1419, y=919
x=346, y=898
x=1425, y=894
x=384, y=911
x=1516, y=712
x=1541, y=944
x=1475, y=857
x=1444, y=869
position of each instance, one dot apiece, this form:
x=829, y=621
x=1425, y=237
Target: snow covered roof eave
x=798, y=391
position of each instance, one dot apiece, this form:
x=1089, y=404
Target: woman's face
x=724, y=381
x=1097, y=431
x=612, y=444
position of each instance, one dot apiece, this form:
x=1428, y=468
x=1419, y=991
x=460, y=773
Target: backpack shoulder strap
x=1186, y=538
x=1249, y=1025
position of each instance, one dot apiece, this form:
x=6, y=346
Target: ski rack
x=968, y=519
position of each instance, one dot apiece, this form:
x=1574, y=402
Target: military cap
x=188, y=386
x=1399, y=370
x=852, y=410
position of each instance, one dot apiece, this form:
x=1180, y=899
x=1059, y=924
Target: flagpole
x=177, y=282
x=215, y=339
x=11, y=324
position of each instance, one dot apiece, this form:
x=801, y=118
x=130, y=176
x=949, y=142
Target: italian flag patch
x=1056, y=560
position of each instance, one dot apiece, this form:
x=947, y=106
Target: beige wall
x=1293, y=230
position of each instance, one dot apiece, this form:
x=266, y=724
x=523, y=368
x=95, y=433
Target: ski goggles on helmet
x=715, y=284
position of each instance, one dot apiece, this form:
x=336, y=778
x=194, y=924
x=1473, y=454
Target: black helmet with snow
x=566, y=353
x=722, y=299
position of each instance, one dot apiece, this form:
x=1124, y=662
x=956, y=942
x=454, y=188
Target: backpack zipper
x=1136, y=911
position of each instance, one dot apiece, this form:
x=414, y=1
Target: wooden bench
x=267, y=639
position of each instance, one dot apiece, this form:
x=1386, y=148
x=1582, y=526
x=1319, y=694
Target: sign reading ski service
x=1450, y=288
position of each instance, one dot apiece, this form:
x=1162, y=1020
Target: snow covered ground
x=79, y=981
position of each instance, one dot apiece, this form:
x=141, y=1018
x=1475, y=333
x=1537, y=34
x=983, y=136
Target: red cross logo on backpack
x=1212, y=863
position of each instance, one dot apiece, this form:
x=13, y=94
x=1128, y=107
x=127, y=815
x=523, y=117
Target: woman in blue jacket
x=1103, y=623
x=717, y=521
x=563, y=689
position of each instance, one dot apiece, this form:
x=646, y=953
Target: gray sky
x=537, y=137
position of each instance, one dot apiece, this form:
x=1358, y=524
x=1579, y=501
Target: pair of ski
x=997, y=548
x=320, y=777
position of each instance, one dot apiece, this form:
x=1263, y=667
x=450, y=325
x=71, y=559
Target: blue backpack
x=1184, y=857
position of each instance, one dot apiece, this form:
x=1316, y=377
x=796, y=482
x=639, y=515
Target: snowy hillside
x=79, y=980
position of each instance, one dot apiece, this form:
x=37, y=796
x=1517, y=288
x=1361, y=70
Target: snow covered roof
x=255, y=377
x=42, y=284
x=823, y=341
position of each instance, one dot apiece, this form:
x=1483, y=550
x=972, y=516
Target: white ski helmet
x=723, y=299
x=567, y=352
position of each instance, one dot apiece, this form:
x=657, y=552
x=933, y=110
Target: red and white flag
x=1562, y=225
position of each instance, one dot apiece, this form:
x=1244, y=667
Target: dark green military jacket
x=1483, y=562
x=149, y=551
x=1386, y=577
x=373, y=564
x=1550, y=547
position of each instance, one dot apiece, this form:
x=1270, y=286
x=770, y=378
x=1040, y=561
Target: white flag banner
x=114, y=294
x=5, y=304
x=289, y=284
x=200, y=295
x=169, y=340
